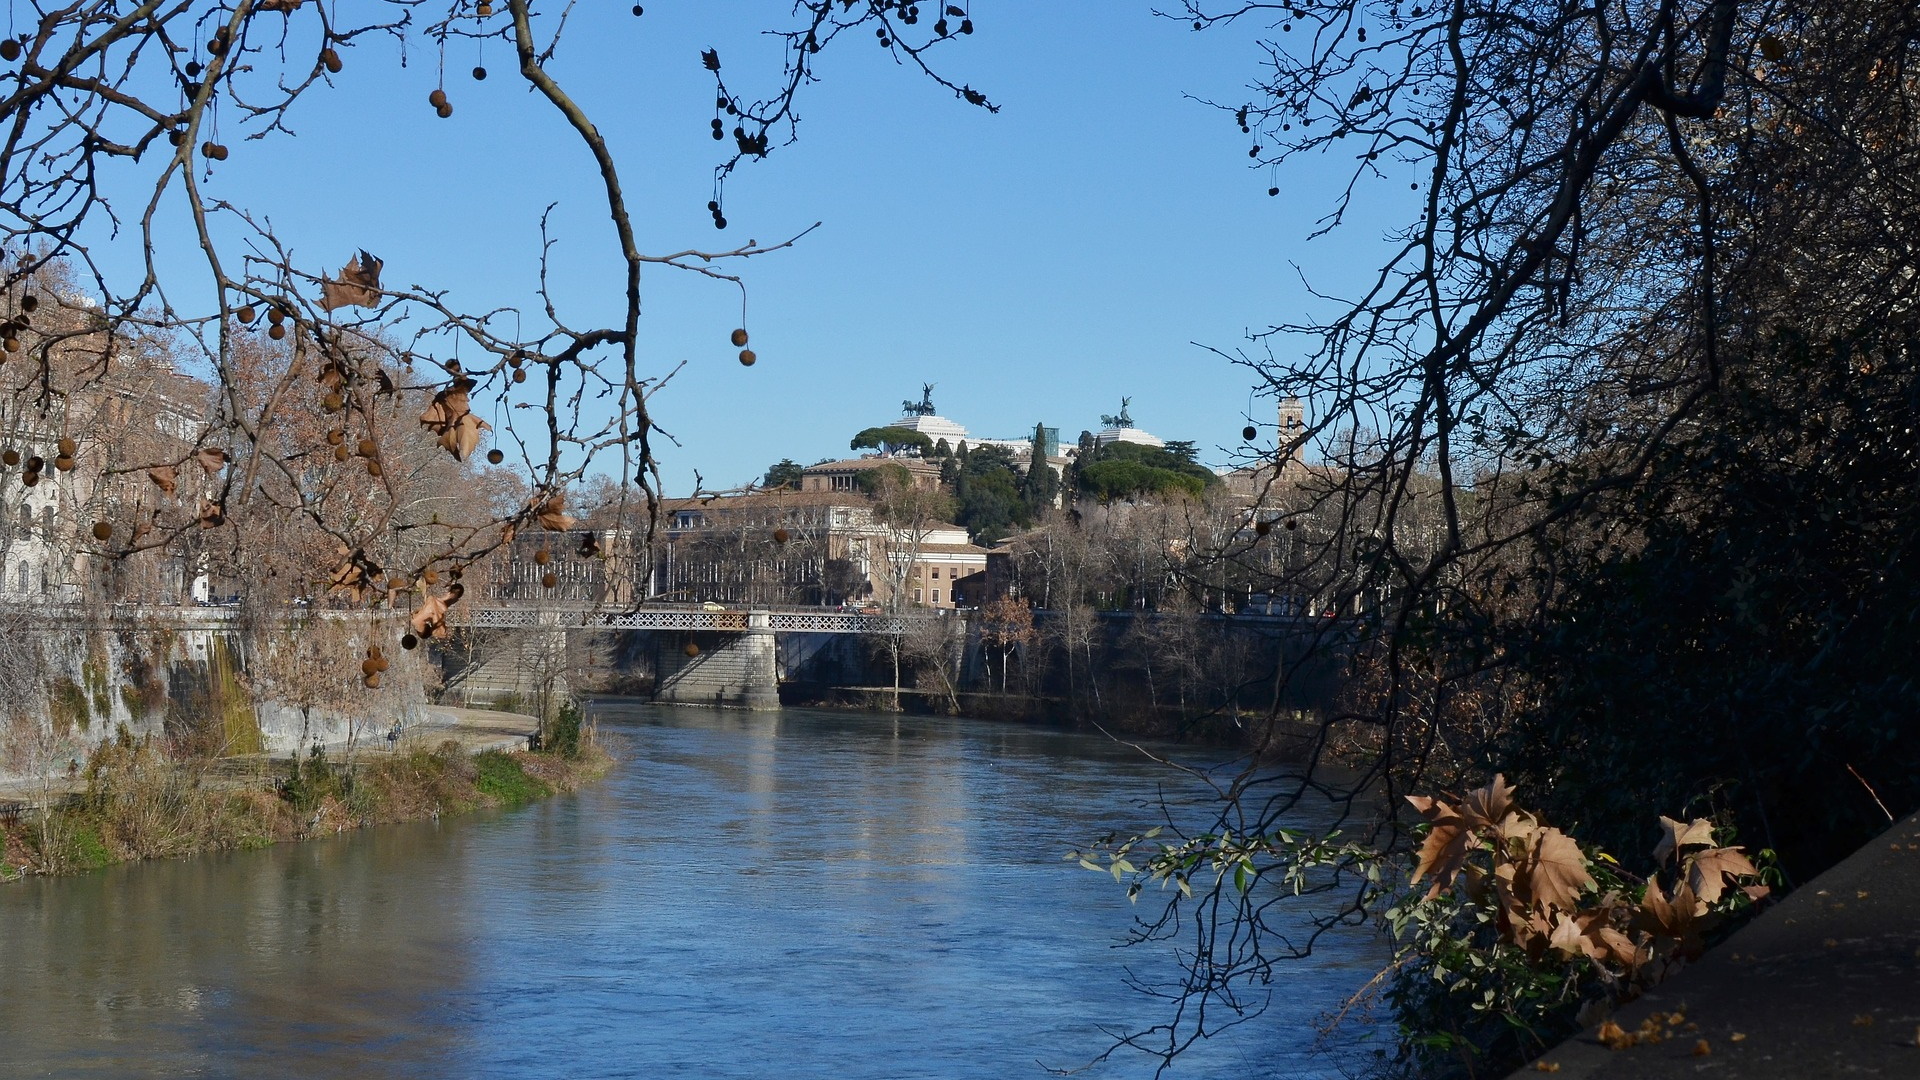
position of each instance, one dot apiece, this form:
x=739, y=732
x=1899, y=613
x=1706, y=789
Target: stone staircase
x=511, y=673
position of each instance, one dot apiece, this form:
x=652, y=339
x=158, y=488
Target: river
x=791, y=894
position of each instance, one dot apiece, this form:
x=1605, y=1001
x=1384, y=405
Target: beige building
x=811, y=547
x=845, y=475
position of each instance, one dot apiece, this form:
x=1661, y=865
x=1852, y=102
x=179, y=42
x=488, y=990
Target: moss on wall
x=68, y=704
x=210, y=710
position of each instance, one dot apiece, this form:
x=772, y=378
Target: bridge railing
x=797, y=621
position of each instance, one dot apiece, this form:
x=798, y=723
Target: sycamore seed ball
x=747, y=358
x=102, y=531
x=739, y=338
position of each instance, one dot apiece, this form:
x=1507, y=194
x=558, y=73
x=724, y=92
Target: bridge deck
x=576, y=618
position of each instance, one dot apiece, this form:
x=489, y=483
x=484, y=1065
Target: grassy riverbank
x=138, y=803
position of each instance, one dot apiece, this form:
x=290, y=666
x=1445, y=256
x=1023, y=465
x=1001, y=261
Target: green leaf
x=1090, y=864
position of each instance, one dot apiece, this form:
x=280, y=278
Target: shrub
x=501, y=778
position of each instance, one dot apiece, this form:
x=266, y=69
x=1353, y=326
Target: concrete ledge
x=1826, y=984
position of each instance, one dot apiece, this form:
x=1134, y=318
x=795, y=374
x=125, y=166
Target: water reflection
x=793, y=894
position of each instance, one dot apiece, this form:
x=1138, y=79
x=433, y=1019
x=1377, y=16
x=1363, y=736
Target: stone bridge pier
x=732, y=668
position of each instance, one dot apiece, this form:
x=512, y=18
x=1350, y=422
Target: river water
x=794, y=894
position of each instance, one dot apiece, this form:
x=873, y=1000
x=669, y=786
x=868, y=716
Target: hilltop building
x=845, y=475
x=813, y=546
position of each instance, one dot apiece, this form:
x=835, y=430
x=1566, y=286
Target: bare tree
x=1633, y=226
x=148, y=95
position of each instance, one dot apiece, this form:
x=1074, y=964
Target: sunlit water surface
x=797, y=894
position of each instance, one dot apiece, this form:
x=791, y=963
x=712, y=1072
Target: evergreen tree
x=1040, y=486
x=784, y=474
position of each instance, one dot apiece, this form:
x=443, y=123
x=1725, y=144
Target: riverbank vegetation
x=138, y=802
x=1614, y=480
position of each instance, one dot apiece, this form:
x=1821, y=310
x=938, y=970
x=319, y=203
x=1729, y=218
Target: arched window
x=26, y=576
x=26, y=521
x=46, y=522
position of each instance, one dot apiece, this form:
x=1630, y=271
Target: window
x=26, y=576
x=46, y=522
x=953, y=572
x=26, y=523
x=916, y=596
x=936, y=575
x=936, y=596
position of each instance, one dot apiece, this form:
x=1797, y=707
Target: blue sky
x=1036, y=264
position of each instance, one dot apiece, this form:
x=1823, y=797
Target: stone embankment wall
x=222, y=690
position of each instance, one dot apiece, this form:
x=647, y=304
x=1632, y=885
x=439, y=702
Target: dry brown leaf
x=1557, y=873
x=211, y=459
x=1707, y=871
x=429, y=619
x=552, y=516
x=212, y=514
x=358, y=283
x=1613, y=1036
x=1489, y=805
x=462, y=436
x=1672, y=917
x=1567, y=937
x=1674, y=836
x=450, y=417
x=162, y=477
x=1446, y=846
x=287, y=6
